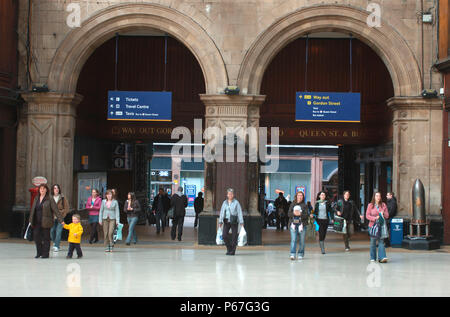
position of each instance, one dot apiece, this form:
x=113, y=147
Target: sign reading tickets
x=139, y=105
x=328, y=107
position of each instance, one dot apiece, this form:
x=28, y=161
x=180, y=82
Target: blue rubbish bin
x=396, y=232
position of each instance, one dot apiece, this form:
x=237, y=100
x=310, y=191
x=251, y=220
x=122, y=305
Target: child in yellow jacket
x=75, y=232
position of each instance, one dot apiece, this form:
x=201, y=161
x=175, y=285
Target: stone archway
x=81, y=42
x=416, y=122
x=385, y=41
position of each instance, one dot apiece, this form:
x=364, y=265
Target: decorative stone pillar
x=417, y=152
x=45, y=140
x=235, y=113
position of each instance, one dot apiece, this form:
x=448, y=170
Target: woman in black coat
x=42, y=215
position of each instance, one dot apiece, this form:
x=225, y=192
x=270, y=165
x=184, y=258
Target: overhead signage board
x=139, y=105
x=327, y=107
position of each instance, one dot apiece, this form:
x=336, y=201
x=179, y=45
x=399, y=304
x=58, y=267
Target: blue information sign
x=191, y=191
x=139, y=105
x=328, y=107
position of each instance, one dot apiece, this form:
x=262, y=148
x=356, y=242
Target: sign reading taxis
x=328, y=107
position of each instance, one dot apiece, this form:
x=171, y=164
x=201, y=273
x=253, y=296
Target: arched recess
x=385, y=41
x=81, y=42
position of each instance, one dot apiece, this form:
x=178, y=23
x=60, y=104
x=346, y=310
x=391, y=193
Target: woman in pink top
x=375, y=210
x=93, y=205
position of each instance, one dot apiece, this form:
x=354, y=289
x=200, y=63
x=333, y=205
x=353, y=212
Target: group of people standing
x=323, y=213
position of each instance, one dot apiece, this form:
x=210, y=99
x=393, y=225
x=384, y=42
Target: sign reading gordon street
x=140, y=105
x=328, y=107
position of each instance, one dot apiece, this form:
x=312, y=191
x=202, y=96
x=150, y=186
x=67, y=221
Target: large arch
x=385, y=41
x=81, y=42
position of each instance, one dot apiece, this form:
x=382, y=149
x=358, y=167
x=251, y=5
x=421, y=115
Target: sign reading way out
x=140, y=105
x=328, y=107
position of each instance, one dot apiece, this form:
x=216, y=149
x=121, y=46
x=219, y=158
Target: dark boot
x=322, y=246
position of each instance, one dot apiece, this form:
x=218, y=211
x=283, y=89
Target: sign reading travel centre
x=139, y=105
x=328, y=107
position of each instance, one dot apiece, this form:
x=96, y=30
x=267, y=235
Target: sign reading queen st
x=328, y=107
x=140, y=105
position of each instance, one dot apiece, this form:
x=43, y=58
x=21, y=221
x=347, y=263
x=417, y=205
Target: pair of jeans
x=373, y=249
x=41, y=238
x=296, y=235
x=177, y=222
x=74, y=246
x=160, y=220
x=132, y=221
x=55, y=233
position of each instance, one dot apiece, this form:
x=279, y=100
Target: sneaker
x=372, y=260
x=55, y=249
x=107, y=249
x=347, y=249
x=384, y=260
x=79, y=256
x=300, y=258
x=292, y=257
x=68, y=257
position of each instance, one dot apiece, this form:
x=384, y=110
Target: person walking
x=346, y=209
x=179, y=202
x=93, y=206
x=230, y=218
x=42, y=215
x=377, y=212
x=198, y=207
x=281, y=206
x=132, y=208
x=109, y=217
x=298, y=221
x=160, y=206
x=322, y=213
x=391, y=203
x=75, y=232
x=63, y=207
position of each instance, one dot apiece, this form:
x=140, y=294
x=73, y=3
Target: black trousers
x=230, y=239
x=177, y=223
x=94, y=233
x=196, y=219
x=323, y=226
x=75, y=246
x=42, y=240
x=160, y=220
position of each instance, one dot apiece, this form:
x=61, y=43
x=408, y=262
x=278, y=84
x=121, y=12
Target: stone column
x=45, y=140
x=417, y=152
x=233, y=112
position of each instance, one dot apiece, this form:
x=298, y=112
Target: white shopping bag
x=219, y=237
x=242, y=238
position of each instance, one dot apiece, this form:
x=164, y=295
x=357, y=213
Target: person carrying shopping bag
x=230, y=218
x=377, y=214
x=109, y=216
x=322, y=212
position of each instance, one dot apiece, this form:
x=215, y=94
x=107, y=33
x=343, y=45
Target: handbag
x=219, y=237
x=375, y=230
x=29, y=233
x=340, y=225
x=151, y=218
x=171, y=212
x=242, y=238
x=233, y=219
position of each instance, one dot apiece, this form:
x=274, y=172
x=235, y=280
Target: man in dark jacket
x=281, y=207
x=391, y=204
x=161, y=205
x=198, y=207
x=179, y=202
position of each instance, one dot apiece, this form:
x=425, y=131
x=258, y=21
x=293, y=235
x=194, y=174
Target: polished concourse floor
x=192, y=272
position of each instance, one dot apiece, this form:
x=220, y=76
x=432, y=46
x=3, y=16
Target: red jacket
x=94, y=211
x=372, y=213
